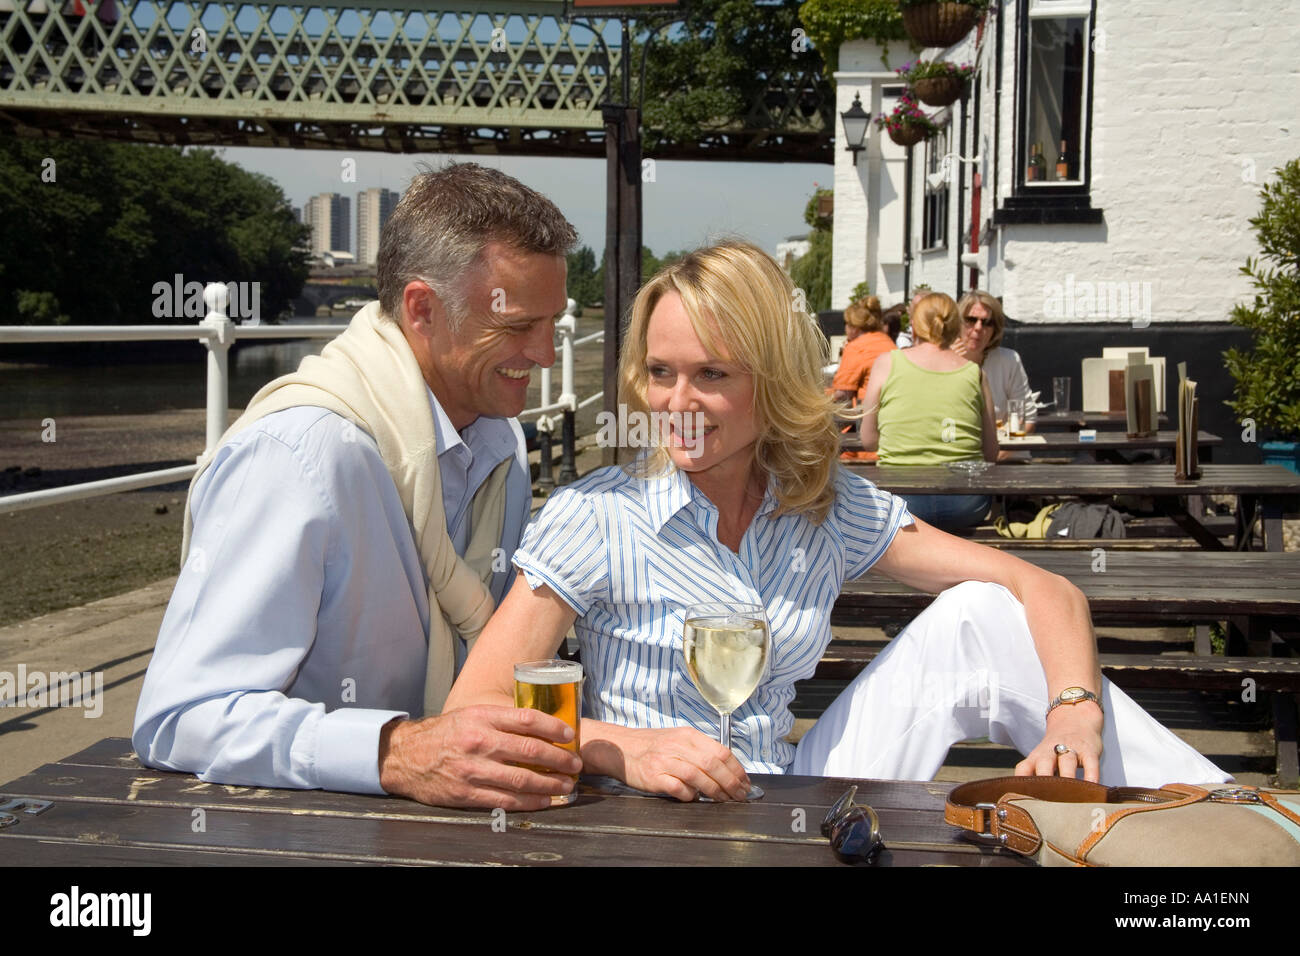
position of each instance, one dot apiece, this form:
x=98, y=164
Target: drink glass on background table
x=554, y=687
x=1016, y=417
x=1061, y=394
x=727, y=647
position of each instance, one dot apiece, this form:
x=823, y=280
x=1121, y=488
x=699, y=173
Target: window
x=1054, y=115
x=938, y=175
x=1055, y=100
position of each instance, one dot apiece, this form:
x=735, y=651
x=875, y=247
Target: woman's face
x=710, y=399
x=977, y=331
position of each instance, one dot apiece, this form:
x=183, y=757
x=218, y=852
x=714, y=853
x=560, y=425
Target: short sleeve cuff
x=537, y=574
x=347, y=749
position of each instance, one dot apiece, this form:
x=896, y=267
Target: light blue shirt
x=629, y=554
x=299, y=624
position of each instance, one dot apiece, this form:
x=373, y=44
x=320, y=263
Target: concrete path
x=112, y=640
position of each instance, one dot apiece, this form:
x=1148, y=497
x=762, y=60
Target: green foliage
x=1268, y=376
x=706, y=72
x=119, y=218
x=934, y=69
x=831, y=22
x=812, y=271
x=860, y=291
x=586, y=282
x=819, y=223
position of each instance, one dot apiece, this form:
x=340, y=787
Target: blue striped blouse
x=630, y=554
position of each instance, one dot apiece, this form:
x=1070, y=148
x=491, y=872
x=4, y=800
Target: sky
x=687, y=205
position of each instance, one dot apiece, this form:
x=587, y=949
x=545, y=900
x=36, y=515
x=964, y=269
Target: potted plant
x=936, y=82
x=907, y=125
x=931, y=23
x=1268, y=376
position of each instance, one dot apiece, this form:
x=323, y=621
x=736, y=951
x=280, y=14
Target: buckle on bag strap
x=987, y=824
x=1236, y=795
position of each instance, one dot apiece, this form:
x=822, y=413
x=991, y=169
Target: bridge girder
x=505, y=77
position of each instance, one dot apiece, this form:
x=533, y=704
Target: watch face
x=1072, y=693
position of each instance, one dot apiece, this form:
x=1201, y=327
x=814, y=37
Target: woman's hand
x=1078, y=727
x=678, y=761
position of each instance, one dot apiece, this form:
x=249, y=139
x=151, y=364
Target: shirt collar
x=665, y=495
x=493, y=435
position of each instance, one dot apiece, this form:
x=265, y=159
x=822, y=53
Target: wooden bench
x=1258, y=591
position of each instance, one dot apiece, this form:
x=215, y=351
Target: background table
x=1266, y=490
x=106, y=808
x=1077, y=420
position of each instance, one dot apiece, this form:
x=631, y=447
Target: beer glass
x=554, y=687
x=1016, y=417
x=727, y=647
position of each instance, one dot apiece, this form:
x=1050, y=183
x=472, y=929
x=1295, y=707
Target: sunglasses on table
x=854, y=830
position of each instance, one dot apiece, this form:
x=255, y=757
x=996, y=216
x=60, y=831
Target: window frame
x=1050, y=202
x=935, y=202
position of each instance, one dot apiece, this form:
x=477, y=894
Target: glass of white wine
x=727, y=647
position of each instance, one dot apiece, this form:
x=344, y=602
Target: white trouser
x=966, y=668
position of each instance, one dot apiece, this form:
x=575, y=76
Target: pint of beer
x=553, y=687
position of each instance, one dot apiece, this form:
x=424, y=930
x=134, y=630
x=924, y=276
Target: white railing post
x=567, y=328
x=215, y=297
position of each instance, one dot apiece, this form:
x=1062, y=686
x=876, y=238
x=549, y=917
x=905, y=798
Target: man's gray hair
x=442, y=223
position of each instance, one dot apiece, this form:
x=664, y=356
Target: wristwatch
x=1073, y=695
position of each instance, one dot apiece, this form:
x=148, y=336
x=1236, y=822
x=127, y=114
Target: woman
x=864, y=328
x=980, y=341
x=929, y=406
x=747, y=503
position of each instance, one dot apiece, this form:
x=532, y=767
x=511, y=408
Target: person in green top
x=927, y=405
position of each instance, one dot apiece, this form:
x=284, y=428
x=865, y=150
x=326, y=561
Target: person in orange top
x=864, y=327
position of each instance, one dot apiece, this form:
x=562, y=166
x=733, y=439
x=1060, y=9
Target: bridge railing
x=218, y=333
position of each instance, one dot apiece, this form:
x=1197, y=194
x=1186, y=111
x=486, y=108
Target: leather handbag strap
x=978, y=806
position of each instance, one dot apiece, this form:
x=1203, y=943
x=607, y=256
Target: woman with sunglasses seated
x=928, y=405
x=980, y=341
x=746, y=502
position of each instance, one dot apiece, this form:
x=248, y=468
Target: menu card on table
x=1186, y=453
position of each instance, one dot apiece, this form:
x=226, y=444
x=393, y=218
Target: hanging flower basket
x=938, y=90
x=908, y=134
x=939, y=24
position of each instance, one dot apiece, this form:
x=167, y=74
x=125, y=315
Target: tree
x=586, y=282
x=812, y=271
x=1268, y=376
x=88, y=229
x=712, y=67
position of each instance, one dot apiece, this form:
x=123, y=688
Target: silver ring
x=1062, y=749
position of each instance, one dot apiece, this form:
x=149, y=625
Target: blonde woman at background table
x=745, y=501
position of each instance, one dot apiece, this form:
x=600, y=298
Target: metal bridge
x=475, y=77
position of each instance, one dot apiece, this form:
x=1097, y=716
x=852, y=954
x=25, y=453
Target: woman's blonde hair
x=935, y=319
x=995, y=312
x=864, y=314
x=745, y=308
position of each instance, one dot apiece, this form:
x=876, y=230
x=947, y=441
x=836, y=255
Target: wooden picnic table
x=1131, y=587
x=106, y=808
x=1255, y=593
x=1109, y=442
x=1077, y=420
x=1262, y=491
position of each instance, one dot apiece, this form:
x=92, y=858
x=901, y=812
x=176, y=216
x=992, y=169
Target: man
x=353, y=529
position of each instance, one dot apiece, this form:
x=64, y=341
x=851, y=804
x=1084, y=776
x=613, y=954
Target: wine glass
x=727, y=646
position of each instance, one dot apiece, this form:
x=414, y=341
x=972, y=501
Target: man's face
x=482, y=368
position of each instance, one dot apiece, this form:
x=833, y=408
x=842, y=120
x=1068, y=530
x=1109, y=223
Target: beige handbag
x=1064, y=822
